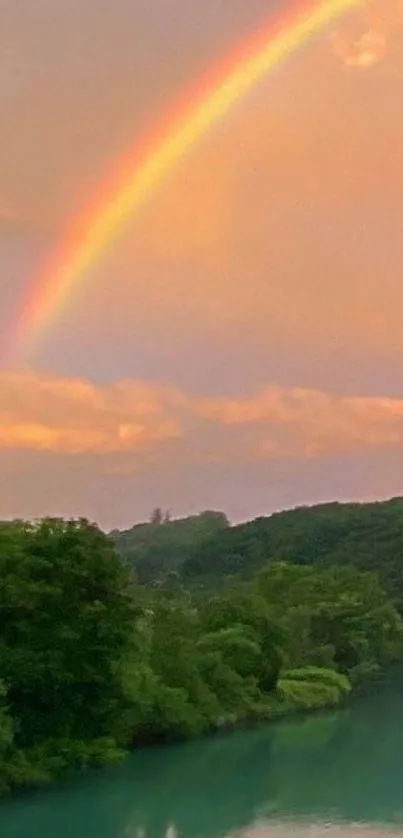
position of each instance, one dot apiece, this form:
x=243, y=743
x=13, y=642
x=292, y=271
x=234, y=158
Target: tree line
x=94, y=662
x=205, y=551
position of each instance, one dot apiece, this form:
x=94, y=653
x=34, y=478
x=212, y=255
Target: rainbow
x=85, y=245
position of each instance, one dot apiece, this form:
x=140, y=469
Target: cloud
x=310, y=423
x=72, y=416
x=141, y=419
x=368, y=49
x=365, y=38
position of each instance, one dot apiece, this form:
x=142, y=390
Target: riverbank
x=334, y=774
x=310, y=690
x=93, y=663
x=299, y=693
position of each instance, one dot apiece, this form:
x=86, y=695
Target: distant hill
x=367, y=535
x=205, y=550
x=158, y=548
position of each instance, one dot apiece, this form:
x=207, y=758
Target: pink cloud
x=73, y=416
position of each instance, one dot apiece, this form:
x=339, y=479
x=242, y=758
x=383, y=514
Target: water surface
x=335, y=774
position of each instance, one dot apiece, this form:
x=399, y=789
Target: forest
x=175, y=629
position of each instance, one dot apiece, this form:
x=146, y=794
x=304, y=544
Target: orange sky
x=246, y=328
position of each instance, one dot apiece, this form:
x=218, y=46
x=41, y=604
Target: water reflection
x=299, y=829
x=321, y=830
x=308, y=777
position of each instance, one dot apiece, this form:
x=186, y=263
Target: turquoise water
x=339, y=767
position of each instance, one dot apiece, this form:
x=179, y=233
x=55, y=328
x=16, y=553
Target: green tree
x=66, y=618
x=248, y=615
x=157, y=517
x=333, y=617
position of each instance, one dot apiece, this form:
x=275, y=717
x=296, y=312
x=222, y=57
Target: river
x=333, y=774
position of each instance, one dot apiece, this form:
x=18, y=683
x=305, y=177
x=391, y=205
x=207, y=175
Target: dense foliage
x=204, y=551
x=93, y=663
x=159, y=548
x=367, y=535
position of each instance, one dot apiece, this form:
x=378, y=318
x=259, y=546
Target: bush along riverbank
x=93, y=664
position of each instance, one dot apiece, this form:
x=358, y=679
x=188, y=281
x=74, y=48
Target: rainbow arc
x=94, y=233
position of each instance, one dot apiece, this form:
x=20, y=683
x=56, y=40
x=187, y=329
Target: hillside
x=93, y=664
x=158, y=548
x=206, y=550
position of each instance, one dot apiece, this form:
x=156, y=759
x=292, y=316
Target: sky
x=240, y=347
